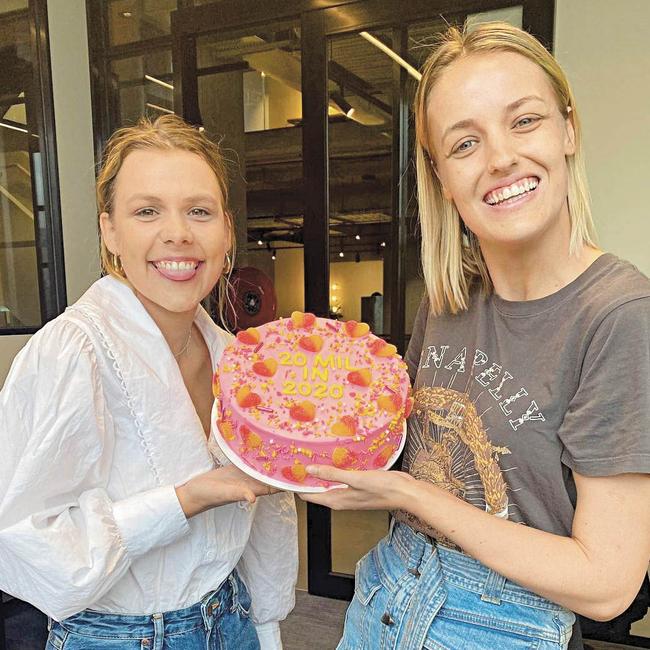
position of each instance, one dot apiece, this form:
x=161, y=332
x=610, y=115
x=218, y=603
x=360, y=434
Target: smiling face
x=500, y=144
x=168, y=227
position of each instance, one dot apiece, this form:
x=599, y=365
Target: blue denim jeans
x=414, y=595
x=219, y=622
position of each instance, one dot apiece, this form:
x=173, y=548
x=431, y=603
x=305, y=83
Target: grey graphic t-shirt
x=510, y=397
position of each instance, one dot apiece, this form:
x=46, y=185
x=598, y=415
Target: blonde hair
x=166, y=133
x=451, y=257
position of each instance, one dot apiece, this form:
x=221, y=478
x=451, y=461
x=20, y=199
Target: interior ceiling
x=359, y=187
x=360, y=147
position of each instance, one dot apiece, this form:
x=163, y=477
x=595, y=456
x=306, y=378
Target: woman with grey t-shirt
x=525, y=494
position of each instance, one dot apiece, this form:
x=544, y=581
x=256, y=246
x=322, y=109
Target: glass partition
x=28, y=291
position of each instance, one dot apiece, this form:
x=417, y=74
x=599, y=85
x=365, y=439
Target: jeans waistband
x=201, y=614
x=461, y=569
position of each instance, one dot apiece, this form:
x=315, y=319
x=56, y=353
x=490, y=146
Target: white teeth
x=176, y=266
x=516, y=189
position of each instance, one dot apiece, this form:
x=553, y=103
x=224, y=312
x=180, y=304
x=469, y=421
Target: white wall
x=603, y=46
x=73, y=117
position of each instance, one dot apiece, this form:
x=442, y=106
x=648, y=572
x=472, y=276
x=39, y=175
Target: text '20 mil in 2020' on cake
x=307, y=390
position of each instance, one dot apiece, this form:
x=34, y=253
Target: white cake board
x=235, y=459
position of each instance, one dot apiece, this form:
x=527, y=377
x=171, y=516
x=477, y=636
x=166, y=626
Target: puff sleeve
x=63, y=541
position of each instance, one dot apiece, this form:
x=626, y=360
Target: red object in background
x=252, y=299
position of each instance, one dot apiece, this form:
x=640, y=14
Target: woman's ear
x=109, y=236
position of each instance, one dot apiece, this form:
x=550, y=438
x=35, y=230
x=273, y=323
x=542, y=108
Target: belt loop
x=49, y=623
x=391, y=528
x=158, y=631
x=232, y=579
x=493, y=588
x=233, y=585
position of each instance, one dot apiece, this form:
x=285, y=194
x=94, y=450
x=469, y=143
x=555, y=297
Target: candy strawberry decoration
x=313, y=343
x=345, y=427
x=300, y=320
x=303, y=411
x=265, y=368
x=380, y=348
x=356, y=330
x=343, y=458
x=246, y=398
x=295, y=473
x=390, y=403
x=361, y=377
x=383, y=456
x=251, y=336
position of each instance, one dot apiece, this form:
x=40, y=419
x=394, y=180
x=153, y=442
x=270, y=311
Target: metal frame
x=48, y=234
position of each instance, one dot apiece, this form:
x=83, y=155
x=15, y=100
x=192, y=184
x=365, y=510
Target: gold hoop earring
x=117, y=263
x=227, y=267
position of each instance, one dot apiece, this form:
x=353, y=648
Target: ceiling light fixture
x=345, y=107
x=383, y=244
x=160, y=82
x=162, y=109
x=273, y=254
x=11, y=126
x=341, y=254
x=392, y=54
x=357, y=237
x=127, y=14
x=260, y=242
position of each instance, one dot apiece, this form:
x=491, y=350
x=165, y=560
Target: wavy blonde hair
x=166, y=133
x=451, y=257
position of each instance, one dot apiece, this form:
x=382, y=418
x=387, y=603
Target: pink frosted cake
x=307, y=390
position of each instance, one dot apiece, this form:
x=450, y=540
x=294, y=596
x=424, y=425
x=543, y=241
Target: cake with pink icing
x=307, y=390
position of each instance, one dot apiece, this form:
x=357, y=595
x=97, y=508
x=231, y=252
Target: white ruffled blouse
x=96, y=430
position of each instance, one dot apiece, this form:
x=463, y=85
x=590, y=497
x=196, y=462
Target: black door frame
x=321, y=19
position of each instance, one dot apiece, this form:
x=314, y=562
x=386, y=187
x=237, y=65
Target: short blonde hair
x=166, y=133
x=451, y=259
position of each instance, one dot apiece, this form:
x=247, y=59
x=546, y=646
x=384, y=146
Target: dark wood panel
x=315, y=163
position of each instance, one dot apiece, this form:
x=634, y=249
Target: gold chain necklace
x=185, y=347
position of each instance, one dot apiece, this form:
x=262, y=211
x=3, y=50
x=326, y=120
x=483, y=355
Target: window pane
x=138, y=20
x=360, y=141
x=143, y=85
x=19, y=286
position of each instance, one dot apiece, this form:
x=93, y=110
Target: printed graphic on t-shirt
x=448, y=443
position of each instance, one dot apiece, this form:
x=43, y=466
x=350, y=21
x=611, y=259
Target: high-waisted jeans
x=218, y=622
x=411, y=594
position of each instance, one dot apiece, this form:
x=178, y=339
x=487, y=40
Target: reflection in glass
x=360, y=83
x=19, y=287
x=143, y=86
x=138, y=20
x=250, y=99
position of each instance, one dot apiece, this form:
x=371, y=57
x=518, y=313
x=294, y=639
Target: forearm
x=558, y=568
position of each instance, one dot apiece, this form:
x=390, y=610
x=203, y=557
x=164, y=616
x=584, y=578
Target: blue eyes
x=526, y=121
x=464, y=146
x=523, y=124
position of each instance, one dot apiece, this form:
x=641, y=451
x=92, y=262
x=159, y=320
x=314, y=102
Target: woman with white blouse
x=119, y=517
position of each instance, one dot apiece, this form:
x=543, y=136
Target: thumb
x=328, y=473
